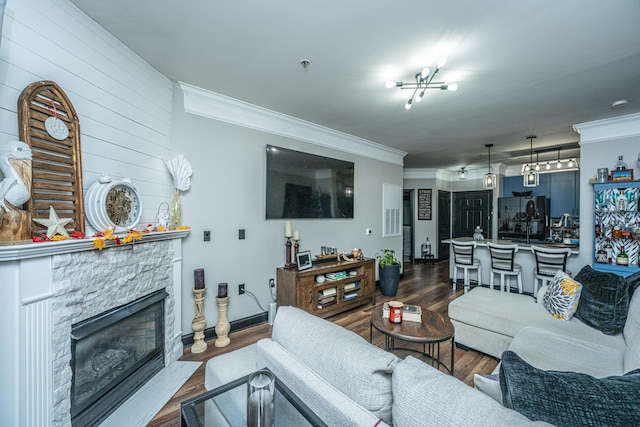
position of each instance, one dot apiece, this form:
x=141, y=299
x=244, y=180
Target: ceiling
x=534, y=67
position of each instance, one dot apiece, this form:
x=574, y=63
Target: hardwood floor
x=425, y=285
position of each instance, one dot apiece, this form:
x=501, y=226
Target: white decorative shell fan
x=181, y=171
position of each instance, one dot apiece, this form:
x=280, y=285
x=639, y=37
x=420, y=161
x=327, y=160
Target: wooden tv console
x=301, y=288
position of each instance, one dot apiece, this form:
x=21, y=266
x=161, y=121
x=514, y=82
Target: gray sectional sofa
x=350, y=382
x=492, y=322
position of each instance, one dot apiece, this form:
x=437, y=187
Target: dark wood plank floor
x=425, y=285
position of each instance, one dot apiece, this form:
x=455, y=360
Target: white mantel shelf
x=34, y=250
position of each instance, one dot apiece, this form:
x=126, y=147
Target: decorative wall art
x=49, y=125
x=424, y=204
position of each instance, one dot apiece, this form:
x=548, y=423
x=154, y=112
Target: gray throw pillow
x=604, y=302
x=569, y=398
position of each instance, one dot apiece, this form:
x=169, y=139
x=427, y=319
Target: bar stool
x=463, y=259
x=502, y=257
x=548, y=262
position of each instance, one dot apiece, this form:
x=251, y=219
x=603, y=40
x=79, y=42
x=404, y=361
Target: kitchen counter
x=524, y=257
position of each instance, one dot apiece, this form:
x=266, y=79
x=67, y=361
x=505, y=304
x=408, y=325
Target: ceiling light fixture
x=531, y=177
x=559, y=165
x=462, y=174
x=424, y=81
x=489, y=180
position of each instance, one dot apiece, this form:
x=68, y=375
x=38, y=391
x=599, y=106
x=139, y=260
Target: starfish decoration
x=54, y=224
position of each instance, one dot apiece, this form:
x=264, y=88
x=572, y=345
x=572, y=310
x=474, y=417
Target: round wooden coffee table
x=433, y=330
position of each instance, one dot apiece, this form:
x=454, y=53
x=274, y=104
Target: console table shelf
x=301, y=289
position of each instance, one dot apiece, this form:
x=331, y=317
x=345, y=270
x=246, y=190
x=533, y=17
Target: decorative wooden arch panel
x=57, y=164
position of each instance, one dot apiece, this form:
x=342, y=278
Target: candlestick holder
x=199, y=322
x=288, y=262
x=222, y=327
x=296, y=246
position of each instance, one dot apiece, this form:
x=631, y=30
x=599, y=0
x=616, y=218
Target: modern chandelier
x=424, y=81
x=559, y=165
x=489, y=180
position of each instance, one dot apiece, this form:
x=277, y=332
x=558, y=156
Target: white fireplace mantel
x=28, y=292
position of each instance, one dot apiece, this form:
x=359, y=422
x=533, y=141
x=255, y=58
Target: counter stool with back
x=464, y=260
x=502, y=263
x=548, y=262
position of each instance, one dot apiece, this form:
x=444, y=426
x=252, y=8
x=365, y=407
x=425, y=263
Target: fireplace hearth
x=113, y=354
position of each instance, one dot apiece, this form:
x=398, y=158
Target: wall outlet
x=241, y=289
x=367, y=232
x=272, y=283
x=207, y=236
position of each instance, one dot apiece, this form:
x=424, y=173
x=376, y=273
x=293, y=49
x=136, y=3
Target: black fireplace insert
x=114, y=354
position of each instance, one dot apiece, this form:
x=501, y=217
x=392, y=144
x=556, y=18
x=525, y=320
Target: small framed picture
x=304, y=260
x=623, y=175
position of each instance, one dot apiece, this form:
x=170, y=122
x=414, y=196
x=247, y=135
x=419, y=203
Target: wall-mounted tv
x=302, y=185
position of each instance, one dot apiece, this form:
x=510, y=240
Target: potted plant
x=388, y=272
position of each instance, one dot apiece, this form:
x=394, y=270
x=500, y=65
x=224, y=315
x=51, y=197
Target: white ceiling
x=523, y=67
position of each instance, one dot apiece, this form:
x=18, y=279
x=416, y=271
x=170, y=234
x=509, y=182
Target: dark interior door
x=444, y=223
x=472, y=209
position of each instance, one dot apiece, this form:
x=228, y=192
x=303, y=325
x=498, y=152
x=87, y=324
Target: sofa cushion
x=333, y=406
x=504, y=314
x=561, y=299
x=569, y=398
x=632, y=334
x=344, y=359
x=604, y=302
x=550, y=350
x=488, y=384
x=632, y=325
x=230, y=366
x=425, y=396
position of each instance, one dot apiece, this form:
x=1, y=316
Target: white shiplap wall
x=123, y=104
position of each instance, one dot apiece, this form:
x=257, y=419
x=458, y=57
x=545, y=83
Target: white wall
x=228, y=193
x=123, y=104
x=445, y=181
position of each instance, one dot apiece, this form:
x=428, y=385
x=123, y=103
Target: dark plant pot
x=389, y=278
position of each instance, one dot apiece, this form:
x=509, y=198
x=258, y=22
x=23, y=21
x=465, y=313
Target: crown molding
x=215, y=106
x=609, y=129
x=419, y=173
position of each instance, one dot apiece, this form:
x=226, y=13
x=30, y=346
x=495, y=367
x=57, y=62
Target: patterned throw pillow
x=562, y=297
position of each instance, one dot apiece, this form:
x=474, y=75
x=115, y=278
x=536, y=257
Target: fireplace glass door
x=113, y=354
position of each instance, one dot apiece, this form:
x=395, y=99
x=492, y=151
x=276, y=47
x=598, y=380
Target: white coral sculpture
x=181, y=172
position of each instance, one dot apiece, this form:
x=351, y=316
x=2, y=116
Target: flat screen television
x=303, y=185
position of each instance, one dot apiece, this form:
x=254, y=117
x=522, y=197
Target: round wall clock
x=113, y=204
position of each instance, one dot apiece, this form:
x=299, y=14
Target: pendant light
x=489, y=180
x=531, y=177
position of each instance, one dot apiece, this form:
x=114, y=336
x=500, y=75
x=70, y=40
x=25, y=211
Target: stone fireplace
x=53, y=288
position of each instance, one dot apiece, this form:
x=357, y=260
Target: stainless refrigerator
x=523, y=219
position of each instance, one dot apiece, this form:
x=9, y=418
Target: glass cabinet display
x=617, y=227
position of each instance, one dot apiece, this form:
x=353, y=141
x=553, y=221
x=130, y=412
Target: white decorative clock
x=111, y=203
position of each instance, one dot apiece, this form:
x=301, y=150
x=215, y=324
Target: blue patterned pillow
x=569, y=398
x=562, y=297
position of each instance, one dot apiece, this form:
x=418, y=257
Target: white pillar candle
x=287, y=229
x=296, y=235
